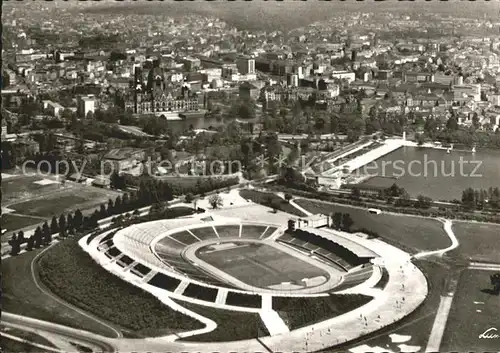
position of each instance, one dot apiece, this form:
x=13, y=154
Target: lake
x=182, y=125
x=437, y=174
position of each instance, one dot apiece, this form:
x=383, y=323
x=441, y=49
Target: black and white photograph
x=259, y=176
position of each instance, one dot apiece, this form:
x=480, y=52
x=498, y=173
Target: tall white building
x=85, y=104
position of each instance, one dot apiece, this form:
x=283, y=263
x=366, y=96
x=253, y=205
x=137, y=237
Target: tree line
x=150, y=192
x=479, y=199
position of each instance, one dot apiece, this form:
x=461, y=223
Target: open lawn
x=478, y=241
x=300, y=312
x=13, y=222
x=473, y=311
x=64, y=202
x=260, y=265
x=231, y=325
x=20, y=295
x=413, y=234
x=22, y=186
x=270, y=200
x=71, y=273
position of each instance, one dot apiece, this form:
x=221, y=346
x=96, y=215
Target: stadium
x=239, y=264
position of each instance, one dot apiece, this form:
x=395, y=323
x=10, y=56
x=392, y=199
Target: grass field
x=300, y=312
x=22, y=186
x=231, y=325
x=478, y=241
x=71, y=273
x=260, y=265
x=12, y=222
x=20, y=295
x=413, y=234
x=473, y=311
x=62, y=202
x=270, y=200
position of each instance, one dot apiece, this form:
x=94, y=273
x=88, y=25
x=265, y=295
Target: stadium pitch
x=259, y=264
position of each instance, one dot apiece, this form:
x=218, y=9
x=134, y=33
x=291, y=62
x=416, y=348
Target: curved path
x=62, y=302
x=28, y=342
x=97, y=342
x=447, y=225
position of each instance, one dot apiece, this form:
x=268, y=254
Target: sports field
x=478, y=241
x=473, y=311
x=61, y=202
x=260, y=265
x=32, y=199
x=23, y=186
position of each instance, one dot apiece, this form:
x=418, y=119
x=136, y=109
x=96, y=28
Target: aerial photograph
x=250, y=176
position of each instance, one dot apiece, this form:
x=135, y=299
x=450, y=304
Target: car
x=374, y=210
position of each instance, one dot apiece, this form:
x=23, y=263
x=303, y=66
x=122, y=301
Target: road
x=96, y=342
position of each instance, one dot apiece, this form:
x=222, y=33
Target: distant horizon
x=279, y=15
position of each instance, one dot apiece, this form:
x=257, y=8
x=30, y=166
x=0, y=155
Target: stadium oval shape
x=171, y=259
x=184, y=256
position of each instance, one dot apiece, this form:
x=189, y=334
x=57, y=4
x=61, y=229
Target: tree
x=77, y=219
x=126, y=201
x=495, y=282
x=189, y=197
x=356, y=193
x=47, y=235
x=215, y=201
x=117, y=181
x=469, y=199
x=62, y=222
x=157, y=208
x=54, y=226
x=30, y=242
x=20, y=237
x=288, y=197
x=70, y=223
x=452, y=124
x=347, y=222
x=102, y=211
x=111, y=207
x=395, y=190
x=337, y=220
x=403, y=200
x=14, y=245
x=15, y=248
x=118, y=205
x=423, y=202
x=37, y=237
